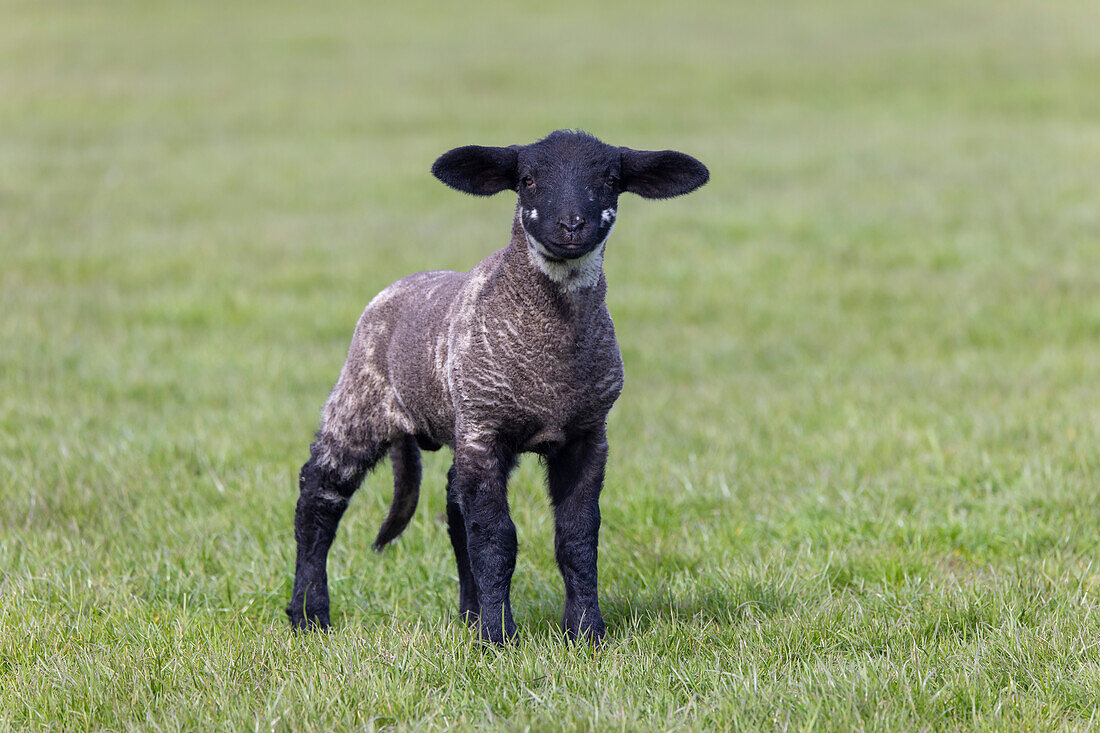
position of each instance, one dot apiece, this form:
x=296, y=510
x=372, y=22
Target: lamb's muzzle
x=517, y=355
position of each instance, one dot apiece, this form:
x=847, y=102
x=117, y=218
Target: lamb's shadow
x=740, y=602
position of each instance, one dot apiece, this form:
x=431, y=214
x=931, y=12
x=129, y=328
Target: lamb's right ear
x=479, y=170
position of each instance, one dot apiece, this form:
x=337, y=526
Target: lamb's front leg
x=481, y=484
x=575, y=477
x=468, y=605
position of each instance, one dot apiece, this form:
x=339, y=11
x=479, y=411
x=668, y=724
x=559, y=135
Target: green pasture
x=854, y=470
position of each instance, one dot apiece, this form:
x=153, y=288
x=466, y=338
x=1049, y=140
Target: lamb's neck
x=580, y=281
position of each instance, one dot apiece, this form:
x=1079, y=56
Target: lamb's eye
x=528, y=182
x=611, y=180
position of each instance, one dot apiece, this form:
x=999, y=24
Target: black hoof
x=587, y=629
x=301, y=622
x=498, y=636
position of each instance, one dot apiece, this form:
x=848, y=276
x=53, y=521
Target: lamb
x=518, y=355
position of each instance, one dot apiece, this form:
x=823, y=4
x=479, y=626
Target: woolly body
x=451, y=357
x=517, y=355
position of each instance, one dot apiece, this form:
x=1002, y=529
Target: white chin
x=570, y=274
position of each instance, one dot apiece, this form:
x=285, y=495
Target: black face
x=569, y=187
x=569, y=184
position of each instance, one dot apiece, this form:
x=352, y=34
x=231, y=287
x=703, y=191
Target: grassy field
x=854, y=471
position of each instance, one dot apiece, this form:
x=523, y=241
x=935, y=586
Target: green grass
x=854, y=471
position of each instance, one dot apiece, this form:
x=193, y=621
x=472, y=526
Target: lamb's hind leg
x=326, y=484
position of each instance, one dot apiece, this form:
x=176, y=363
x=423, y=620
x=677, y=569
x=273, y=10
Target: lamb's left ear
x=479, y=170
x=661, y=174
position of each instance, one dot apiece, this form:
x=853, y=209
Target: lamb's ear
x=661, y=174
x=479, y=170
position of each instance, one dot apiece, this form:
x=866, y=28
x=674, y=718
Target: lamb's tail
x=405, y=459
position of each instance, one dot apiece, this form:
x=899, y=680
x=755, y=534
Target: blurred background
x=866, y=352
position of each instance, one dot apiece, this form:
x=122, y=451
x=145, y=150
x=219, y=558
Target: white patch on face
x=607, y=216
x=534, y=214
x=582, y=272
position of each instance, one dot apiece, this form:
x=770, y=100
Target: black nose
x=571, y=223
